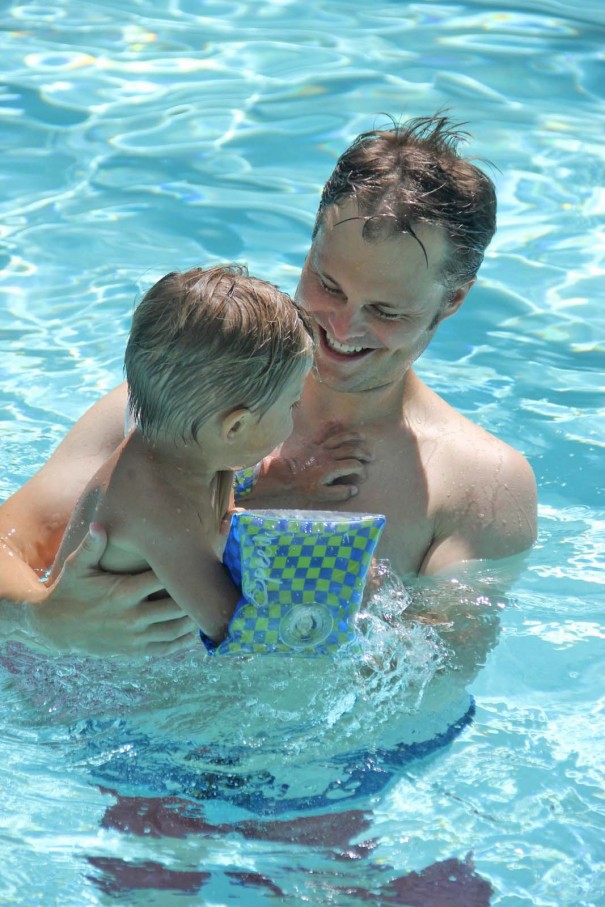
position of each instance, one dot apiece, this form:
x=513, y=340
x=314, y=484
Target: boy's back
x=161, y=518
x=215, y=362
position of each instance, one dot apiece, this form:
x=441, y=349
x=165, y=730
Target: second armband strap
x=244, y=481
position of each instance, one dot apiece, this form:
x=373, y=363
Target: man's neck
x=384, y=405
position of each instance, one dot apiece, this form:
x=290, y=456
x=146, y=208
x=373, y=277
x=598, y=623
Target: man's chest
x=395, y=485
x=398, y=489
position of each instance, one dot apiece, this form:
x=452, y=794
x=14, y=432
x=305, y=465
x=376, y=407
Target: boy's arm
x=195, y=578
x=304, y=471
x=85, y=610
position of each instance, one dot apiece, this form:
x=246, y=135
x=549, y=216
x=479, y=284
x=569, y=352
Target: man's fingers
x=148, y=617
x=169, y=629
x=335, y=493
x=138, y=586
x=165, y=636
x=346, y=469
x=188, y=641
x=90, y=550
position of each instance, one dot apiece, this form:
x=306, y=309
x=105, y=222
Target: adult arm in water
x=86, y=610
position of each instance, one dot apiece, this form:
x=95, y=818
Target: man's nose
x=346, y=321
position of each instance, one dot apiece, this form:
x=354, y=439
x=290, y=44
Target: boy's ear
x=233, y=423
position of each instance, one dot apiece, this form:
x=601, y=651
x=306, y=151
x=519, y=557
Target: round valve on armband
x=305, y=626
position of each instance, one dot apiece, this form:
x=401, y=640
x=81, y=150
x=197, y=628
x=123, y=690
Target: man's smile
x=342, y=349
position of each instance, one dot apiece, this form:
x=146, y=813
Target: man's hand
x=91, y=612
x=328, y=468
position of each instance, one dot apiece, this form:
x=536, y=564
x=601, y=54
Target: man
x=401, y=231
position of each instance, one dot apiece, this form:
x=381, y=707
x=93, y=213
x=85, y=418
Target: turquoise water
x=142, y=137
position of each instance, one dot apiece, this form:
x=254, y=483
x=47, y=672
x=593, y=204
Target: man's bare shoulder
x=482, y=491
x=463, y=438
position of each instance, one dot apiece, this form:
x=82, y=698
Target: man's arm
x=85, y=610
x=90, y=612
x=464, y=606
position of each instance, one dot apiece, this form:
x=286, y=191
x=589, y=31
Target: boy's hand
x=226, y=520
x=327, y=469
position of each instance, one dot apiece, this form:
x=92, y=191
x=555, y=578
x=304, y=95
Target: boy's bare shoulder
x=133, y=496
x=150, y=503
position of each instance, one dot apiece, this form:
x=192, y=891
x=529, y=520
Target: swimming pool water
x=140, y=137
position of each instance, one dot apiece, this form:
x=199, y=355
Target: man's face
x=376, y=304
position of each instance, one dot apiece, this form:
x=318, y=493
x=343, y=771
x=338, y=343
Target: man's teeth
x=342, y=347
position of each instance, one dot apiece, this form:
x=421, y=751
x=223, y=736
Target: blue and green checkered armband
x=244, y=481
x=302, y=575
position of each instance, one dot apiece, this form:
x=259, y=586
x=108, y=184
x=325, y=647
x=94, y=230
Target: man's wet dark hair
x=413, y=174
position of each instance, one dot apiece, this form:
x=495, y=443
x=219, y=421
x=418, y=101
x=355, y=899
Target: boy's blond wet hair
x=208, y=341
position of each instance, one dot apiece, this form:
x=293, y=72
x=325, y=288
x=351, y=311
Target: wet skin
x=367, y=426
x=450, y=491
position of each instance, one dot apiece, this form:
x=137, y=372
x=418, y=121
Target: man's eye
x=387, y=314
x=327, y=287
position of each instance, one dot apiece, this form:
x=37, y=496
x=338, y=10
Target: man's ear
x=453, y=304
x=233, y=423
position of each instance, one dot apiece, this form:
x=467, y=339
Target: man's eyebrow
x=319, y=266
x=328, y=276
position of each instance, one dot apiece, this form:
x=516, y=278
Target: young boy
x=215, y=363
